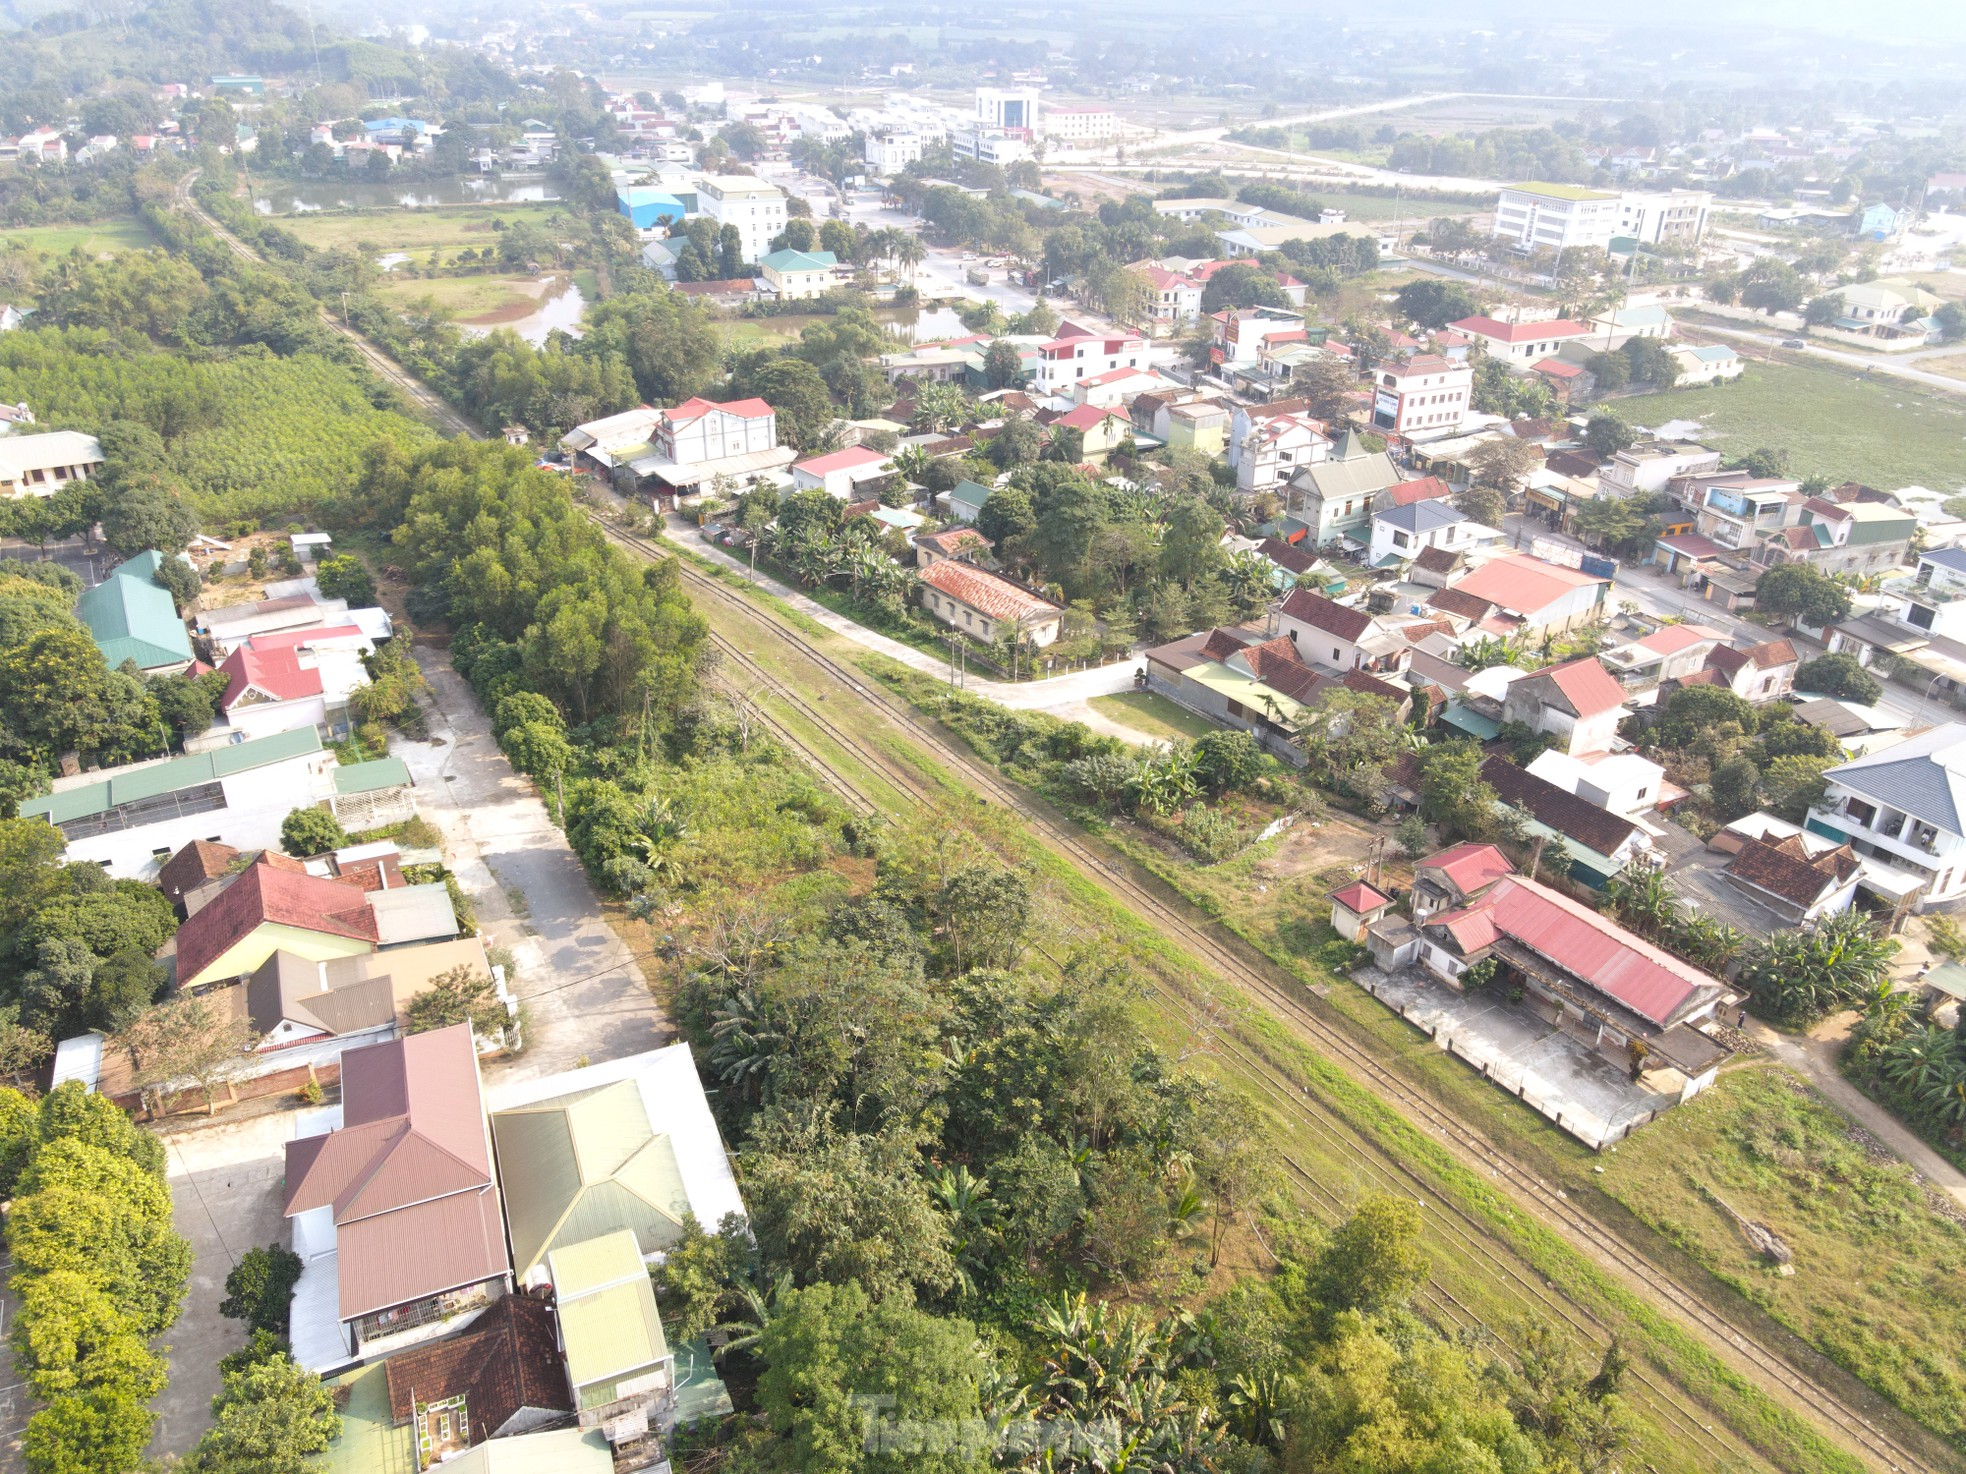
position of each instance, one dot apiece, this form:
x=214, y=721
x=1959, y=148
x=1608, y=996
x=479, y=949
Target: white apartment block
x=991, y=145
x=1426, y=396
x=1677, y=216
x=756, y=208
x=1080, y=124
x=1556, y=217
x=892, y=150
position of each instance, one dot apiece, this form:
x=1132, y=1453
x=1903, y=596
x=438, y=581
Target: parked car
x=1795, y=342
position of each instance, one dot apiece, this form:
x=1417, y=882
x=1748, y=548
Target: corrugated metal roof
x=131, y=618
x=125, y=785
x=413, y=913
x=383, y=772
x=1924, y=775
x=608, y=1322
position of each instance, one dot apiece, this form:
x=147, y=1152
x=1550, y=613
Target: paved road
x=1058, y=691
x=1887, y=365
x=584, y=994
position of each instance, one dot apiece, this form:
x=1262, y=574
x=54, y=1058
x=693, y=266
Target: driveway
x=226, y=1180
x=585, y=997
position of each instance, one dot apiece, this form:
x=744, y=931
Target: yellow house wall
x=269, y=937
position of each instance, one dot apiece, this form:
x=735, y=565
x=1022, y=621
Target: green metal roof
x=132, y=618
x=583, y=1165
x=127, y=785
x=556, y=1451
x=969, y=493
x=143, y=566
x=1564, y=191
x=608, y=1321
x=789, y=260
x=383, y=772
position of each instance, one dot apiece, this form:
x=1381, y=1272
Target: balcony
x=1919, y=844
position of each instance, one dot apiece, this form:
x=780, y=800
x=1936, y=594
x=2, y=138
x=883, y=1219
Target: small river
x=307, y=196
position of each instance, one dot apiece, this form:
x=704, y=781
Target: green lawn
x=1153, y=714
x=105, y=238
x=1884, y=432
x=446, y=227
x=466, y=296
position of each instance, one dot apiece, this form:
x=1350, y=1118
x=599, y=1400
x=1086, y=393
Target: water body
x=559, y=308
x=308, y=196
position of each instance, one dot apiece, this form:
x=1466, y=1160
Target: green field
x=1884, y=432
x=106, y=238
x=1152, y=714
x=446, y=227
x=466, y=297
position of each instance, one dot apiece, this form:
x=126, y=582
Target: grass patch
x=415, y=231
x=1878, y=1282
x=1153, y=714
x=465, y=296
x=1886, y=432
x=106, y=238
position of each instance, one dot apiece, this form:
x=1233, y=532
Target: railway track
x=1854, y=1427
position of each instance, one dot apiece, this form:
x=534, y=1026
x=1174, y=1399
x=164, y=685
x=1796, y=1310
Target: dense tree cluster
x=98, y=1271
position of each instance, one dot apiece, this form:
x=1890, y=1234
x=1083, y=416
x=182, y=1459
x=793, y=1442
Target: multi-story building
x=1934, y=598
x=1556, y=217
x=1078, y=353
x=1903, y=806
x=1238, y=335
x=1425, y=396
x=1668, y=217
x=890, y=150
x=1013, y=109
x=702, y=430
x=1274, y=448
x=1072, y=125
x=755, y=208
x=1737, y=517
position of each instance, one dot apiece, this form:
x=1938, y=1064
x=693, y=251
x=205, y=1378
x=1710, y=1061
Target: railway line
x=1855, y=1426
x=1851, y=1425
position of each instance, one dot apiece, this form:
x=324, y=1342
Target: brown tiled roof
x=505, y=1361
x=267, y=891
x=1287, y=556
x=1785, y=869
x=1371, y=685
x=953, y=541
x=1436, y=559
x=1461, y=602
x=1221, y=644
x=193, y=865
x=1276, y=664
x=1576, y=818
x=999, y=598
x=1572, y=462
x=1765, y=656
x=1321, y=613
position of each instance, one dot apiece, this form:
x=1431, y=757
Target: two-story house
x=1851, y=537
x=1401, y=533
x=1641, y=470
x=1579, y=703
x=1237, y=336
x=1764, y=672
x=1327, y=633
x=1522, y=345
x=796, y=275
x=1905, y=805
x=1934, y=598
x=1737, y=517
x=1333, y=497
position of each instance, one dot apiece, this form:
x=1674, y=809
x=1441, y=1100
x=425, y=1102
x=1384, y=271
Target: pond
x=282, y=197
x=558, y=307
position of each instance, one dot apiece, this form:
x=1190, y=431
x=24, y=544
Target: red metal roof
x=1520, y=332
x=1469, y=866
x=1673, y=638
x=1089, y=416
x=695, y=409
x=276, y=672
x=294, y=639
x=1425, y=489
x=1589, y=687
x=850, y=459
x=1649, y=982
x=263, y=893
x=1524, y=585
x=1360, y=898
x=1556, y=368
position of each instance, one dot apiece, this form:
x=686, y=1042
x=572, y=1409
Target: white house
x=1579, y=703
x=131, y=819
x=1076, y=352
x=1522, y=345
x=41, y=465
x=1934, y=598
x=1710, y=363
x=890, y=150
x=756, y=208
x=1904, y=807
x=1079, y=125
x=1274, y=448
x=1401, y=534
x=1425, y=396
x=843, y=472
x=1640, y=470
x=1622, y=783
x=1664, y=217
x=796, y=275
x=1327, y=633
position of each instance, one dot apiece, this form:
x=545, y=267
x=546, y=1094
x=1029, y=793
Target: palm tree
x=1641, y=899
x=911, y=463
x=1249, y=576
x=760, y=1311
x=744, y=1041
x=1256, y=1402
x=965, y=1198
x=910, y=252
